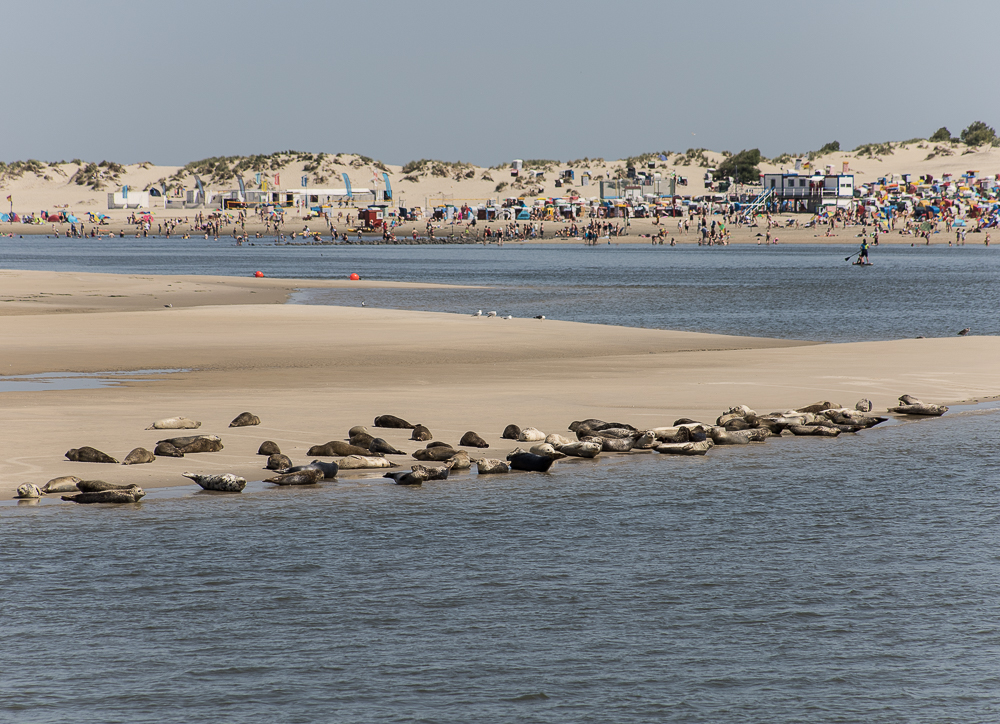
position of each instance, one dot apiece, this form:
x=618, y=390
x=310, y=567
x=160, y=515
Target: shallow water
x=44, y=381
x=805, y=580
x=784, y=291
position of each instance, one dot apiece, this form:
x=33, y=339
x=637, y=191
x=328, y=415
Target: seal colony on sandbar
x=739, y=425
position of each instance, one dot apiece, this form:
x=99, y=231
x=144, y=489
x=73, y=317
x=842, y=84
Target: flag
x=9, y=199
x=277, y=179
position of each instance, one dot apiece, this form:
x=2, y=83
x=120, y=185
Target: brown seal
x=139, y=456
x=245, y=419
x=87, y=454
x=471, y=439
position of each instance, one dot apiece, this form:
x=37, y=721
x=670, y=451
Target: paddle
x=848, y=258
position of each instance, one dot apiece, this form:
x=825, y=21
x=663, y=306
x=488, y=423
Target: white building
x=128, y=199
x=810, y=193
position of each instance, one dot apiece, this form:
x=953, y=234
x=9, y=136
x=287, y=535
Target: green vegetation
x=940, y=151
x=831, y=147
x=941, y=135
x=695, y=156
x=96, y=175
x=643, y=158
x=744, y=167
x=873, y=150
x=979, y=134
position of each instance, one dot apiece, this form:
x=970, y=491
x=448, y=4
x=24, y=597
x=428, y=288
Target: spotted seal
x=329, y=470
x=365, y=462
x=225, y=483
x=491, y=466
x=531, y=434
x=167, y=450
x=29, y=490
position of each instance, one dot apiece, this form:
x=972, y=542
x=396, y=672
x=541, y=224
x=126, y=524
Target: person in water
x=863, y=254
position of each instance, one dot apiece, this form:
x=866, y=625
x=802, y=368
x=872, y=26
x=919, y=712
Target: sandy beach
x=312, y=372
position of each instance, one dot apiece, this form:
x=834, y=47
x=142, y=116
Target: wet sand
x=312, y=372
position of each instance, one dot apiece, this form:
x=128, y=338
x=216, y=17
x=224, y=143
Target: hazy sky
x=172, y=82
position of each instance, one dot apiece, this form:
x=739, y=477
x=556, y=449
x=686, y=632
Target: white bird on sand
x=478, y=314
x=491, y=314
x=540, y=316
x=362, y=303
x=509, y=316
x=963, y=332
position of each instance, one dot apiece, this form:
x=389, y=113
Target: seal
x=546, y=449
x=491, y=466
x=409, y=477
x=167, y=450
x=278, y=462
x=29, y=490
x=676, y=433
x=817, y=430
x=132, y=495
x=365, y=462
x=863, y=405
x=460, y=461
x=357, y=430
x=472, y=439
x=138, y=456
x=511, y=432
x=195, y=443
x=818, y=407
x=685, y=448
x=98, y=486
x=439, y=443
x=381, y=447
x=245, y=419
x=722, y=436
x=301, y=477
x=597, y=425
x=581, y=449
x=329, y=470
x=910, y=405
x=612, y=444
x=225, y=483
x=175, y=423
x=646, y=441
x=438, y=453
x=556, y=440
x=362, y=440
x=529, y=462
x=269, y=447
x=64, y=484
x=421, y=434
x=87, y=454
x=336, y=448
x=393, y=421
x=435, y=473
x=531, y=434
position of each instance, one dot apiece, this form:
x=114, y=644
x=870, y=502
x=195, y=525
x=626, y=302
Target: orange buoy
x=258, y=274
x=355, y=277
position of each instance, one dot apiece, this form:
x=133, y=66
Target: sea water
x=785, y=291
x=802, y=580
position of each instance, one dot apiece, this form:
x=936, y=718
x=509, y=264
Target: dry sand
x=52, y=186
x=312, y=372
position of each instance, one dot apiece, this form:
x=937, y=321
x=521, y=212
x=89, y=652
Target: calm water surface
x=846, y=580
x=785, y=291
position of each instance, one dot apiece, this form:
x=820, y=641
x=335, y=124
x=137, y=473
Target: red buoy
x=355, y=277
x=258, y=274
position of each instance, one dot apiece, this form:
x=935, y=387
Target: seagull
x=478, y=314
x=509, y=316
x=540, y=316
x=362, y=303
x=963, y=332
x=491, y=314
